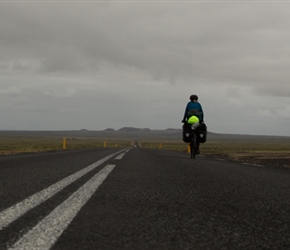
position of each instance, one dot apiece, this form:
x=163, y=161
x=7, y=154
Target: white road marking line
x=47, y=231
x=219, y=159
x=11, y=214
x=255, y=165
x=120, y=156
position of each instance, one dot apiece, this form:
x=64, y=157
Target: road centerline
x=120, y=156
x=47, y=231
x=12, y=213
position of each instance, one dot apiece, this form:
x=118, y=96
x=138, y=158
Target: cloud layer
x=73, y=65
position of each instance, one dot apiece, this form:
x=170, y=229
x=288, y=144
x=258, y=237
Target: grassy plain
x=265, y=150
x=12, y=145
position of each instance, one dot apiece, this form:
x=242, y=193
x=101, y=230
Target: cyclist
x=192, y=108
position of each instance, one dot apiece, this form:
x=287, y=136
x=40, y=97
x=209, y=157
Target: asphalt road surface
x=137, y=198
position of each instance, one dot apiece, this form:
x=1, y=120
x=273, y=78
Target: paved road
x=138, y=198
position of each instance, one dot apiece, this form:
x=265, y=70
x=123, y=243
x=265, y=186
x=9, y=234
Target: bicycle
x=194, y=140
x=194, y=133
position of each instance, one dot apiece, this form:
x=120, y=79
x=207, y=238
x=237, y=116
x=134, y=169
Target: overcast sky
x=109, y=64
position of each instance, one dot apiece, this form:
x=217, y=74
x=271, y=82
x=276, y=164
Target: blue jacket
x=193, y=106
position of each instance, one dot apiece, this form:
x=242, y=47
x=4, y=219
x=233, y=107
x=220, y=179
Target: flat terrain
x=264, y=150
x=269, y=152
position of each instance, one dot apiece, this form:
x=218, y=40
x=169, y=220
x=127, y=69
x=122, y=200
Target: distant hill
x=131, y=133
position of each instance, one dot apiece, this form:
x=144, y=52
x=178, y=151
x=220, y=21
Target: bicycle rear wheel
x=193, y=146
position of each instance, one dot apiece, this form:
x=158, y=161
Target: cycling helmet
x=193, y=97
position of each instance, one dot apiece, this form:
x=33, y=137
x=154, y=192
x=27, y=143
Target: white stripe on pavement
x=11, y=214
x=46, y=232
x=220, y=159
x=254, y=165
x=120, y=156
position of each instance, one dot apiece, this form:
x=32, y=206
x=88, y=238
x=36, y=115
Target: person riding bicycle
x=192, y=108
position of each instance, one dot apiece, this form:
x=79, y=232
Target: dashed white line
x=47, y=231
x=244, y=163
x=120, y=156
x=219, y=159
x=255, y=165
x=11, y=214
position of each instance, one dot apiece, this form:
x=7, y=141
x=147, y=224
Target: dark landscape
x=254, y=149
x=132, y=133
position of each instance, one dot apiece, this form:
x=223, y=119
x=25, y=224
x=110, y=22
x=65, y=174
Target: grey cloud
x=189, y=44
x=10, y=91
x=95, y=53
x=279, y=89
